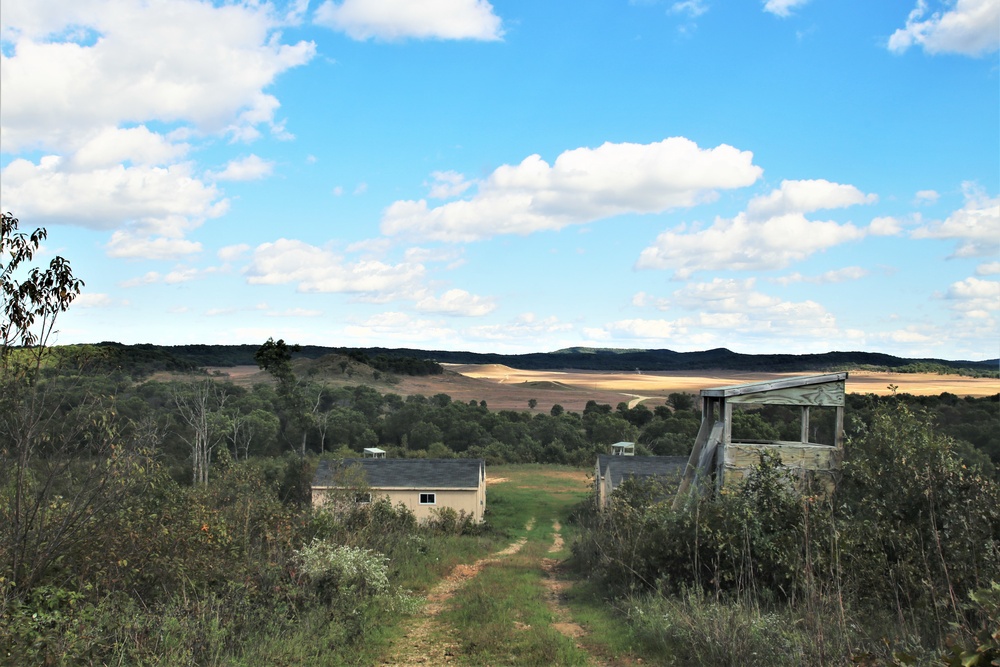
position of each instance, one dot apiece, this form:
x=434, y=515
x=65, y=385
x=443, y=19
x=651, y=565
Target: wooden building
x=717, y=459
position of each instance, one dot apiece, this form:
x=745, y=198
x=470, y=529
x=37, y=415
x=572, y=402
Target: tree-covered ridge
x=409, y=361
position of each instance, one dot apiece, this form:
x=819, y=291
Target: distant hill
x=414, y=362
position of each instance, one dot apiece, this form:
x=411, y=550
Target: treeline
x=407, y=361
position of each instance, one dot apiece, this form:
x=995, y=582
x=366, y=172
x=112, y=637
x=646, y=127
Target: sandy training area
x=511, y=387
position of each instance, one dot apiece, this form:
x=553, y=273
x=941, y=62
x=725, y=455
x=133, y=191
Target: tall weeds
x=884, y=569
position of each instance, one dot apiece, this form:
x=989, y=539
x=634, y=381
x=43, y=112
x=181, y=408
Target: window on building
x=428, y=499
x=362, y=497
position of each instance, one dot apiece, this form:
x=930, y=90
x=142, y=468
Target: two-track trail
x=509, y=608
x=428, y=641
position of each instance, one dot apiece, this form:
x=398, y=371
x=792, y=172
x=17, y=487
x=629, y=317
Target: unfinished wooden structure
x=718, y=459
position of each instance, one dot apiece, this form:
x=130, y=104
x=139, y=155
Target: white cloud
x=783, y=8
x=643, y=329
x=692, y=8
x=740, y=245
x=124, y=244
x=524, y=326
x=988, y=269
x=93, y=300
x=295, y=312
x=924, y=197
x=250, y=168
x=974, y=295
x=231, y=253
x=582, y=185
x=834, y=276
x=457, y=302
x=805, y=197
x=771, y=234
x=976, y=225
x=146, y=279
x=966, y=27
x=160, y=198
x=320, y=270
x=885, y=226
x=717, y=309
x=76, y=69
x=395, y=326
x=402, y=19
x=447, y=185
x=111, y=146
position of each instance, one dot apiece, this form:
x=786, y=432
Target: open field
x=511, y=388
x=506, y=388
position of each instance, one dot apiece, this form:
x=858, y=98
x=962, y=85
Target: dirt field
x=505, y=388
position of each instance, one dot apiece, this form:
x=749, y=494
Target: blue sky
x=783, y=176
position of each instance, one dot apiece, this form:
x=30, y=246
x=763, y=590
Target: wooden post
x=805, y=424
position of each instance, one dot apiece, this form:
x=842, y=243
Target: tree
x=276, y=359
x=200, y=410
x=532, y=403
x=30, y=305
x=556, y=410
x=680, y=401
x=63, y=468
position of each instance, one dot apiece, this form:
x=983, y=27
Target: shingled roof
x=620, y=467
x=407, y=473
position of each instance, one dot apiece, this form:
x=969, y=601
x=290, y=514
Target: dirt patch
x=496, y=480
x=557, y=538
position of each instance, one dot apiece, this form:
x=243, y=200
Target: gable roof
x=620, y=467
x=407, y=473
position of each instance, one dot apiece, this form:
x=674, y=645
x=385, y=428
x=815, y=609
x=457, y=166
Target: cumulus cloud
x=402, y=19
x=316, y=269
x=805, y=197
x=885, y=226
x=581, y=186
x=75, y=69
x=783, y=8
x=86, y=81
x=988, y=269
x=250, y=168
x=161, y=198
x=974, y=296
x=740, y=245
x=924, y=197
x=772, y=233
x=457, y=302
x=976, y=225
x=966, y=27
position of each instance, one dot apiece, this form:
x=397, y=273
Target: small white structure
x=373, y=453
x=623, y=449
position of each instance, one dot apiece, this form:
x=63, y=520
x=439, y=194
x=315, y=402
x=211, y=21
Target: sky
x=779, y=176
